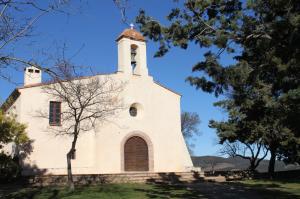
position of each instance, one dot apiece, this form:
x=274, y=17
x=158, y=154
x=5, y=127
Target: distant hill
x=236, y=163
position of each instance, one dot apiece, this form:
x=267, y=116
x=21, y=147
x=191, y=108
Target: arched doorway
x=136, y=156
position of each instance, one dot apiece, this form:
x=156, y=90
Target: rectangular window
x=55, y=113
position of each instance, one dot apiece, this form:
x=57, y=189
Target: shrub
x=9, y=168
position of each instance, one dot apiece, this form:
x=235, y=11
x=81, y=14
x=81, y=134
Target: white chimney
x=32, y=75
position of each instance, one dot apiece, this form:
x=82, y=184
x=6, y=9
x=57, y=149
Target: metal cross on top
x=131, y=26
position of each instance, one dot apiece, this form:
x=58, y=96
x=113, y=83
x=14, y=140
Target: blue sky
x=94, y=30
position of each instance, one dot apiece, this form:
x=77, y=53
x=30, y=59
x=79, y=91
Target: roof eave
x=167, y=89
x=132, y=38
x=10, y=100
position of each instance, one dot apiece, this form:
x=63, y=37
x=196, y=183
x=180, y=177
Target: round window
x=133, y=111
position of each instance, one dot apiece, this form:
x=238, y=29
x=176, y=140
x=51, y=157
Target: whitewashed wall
x=100, y=151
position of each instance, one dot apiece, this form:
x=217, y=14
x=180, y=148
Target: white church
x=146, y=138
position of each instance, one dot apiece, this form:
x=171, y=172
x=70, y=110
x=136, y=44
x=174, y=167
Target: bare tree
x=85, y=101
x=212, y=163
x=123, y=6
x=18, y=19
x=255, y=152
x=189, y=127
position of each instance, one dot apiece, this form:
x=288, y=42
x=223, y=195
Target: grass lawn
x=290, y=186
x=245, y=189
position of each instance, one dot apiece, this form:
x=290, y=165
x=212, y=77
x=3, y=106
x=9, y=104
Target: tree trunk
x=272, y=163
x=70, y=177
x=252, y=165
x=16, y=159
x=69, y=163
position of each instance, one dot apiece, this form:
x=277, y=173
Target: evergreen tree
x=262, y=87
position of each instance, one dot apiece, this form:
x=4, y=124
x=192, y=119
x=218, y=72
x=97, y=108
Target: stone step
x=134, y=177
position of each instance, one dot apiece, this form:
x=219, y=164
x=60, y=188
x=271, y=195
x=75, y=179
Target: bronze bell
x=133, y=55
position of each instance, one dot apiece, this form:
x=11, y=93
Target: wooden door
x=136, y=154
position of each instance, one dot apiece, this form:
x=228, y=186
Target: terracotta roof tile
x=131, y=34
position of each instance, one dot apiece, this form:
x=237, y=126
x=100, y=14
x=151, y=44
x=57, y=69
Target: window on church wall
x=133, y=111
x=55, y=113
x=133, y=53
x=136, y=110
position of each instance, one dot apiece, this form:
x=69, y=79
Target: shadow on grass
x=217, y=190
x=17, y=191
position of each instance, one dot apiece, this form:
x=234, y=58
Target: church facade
x=146, y=137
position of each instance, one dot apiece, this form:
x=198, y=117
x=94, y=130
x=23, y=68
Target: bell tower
x=132, y=53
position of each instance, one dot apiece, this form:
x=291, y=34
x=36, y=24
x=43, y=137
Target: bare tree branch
x=189, y=127
x=17, y=21
x=255, y=152
x=122, y=5
x=85, y=103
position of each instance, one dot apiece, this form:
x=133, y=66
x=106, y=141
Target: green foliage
x=262, y=87
x=11, y=131
x=9, y=168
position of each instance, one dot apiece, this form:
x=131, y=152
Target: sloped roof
x=10, y=100
x=131, y=34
